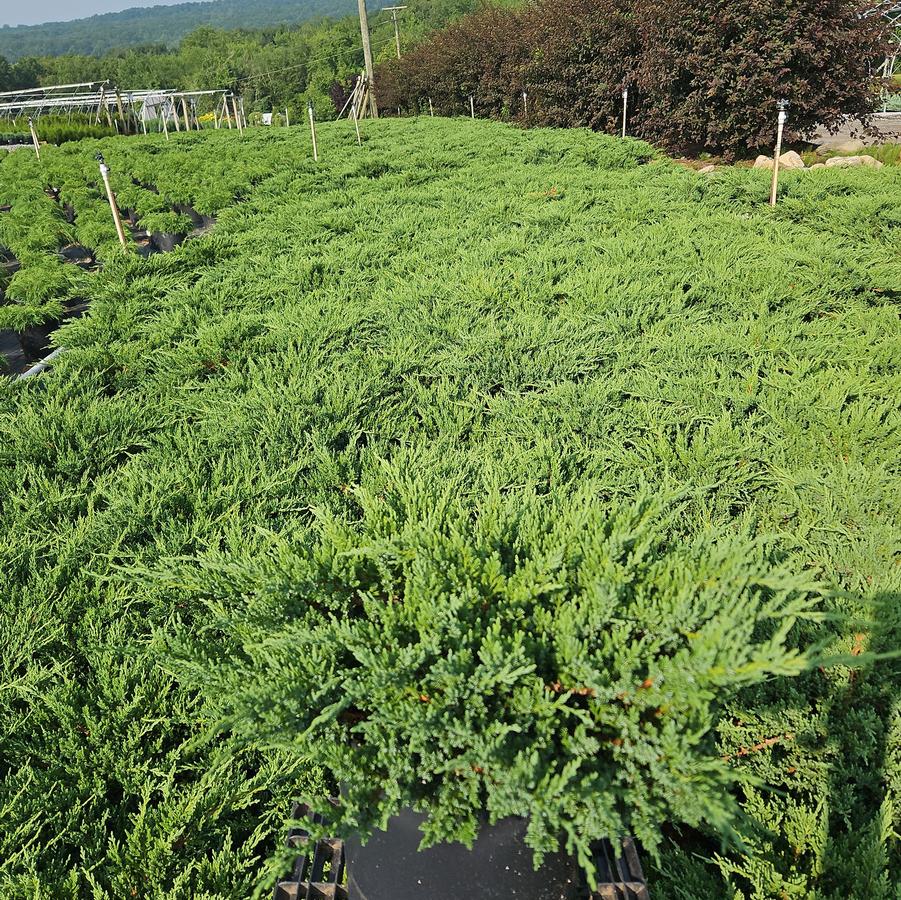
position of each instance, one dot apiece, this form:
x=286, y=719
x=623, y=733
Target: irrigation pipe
x=40, y=365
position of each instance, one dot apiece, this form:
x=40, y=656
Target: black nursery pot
x=166, y=241
x=499, y=866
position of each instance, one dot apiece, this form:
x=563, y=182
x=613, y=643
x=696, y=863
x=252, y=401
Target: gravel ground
x=889, y=125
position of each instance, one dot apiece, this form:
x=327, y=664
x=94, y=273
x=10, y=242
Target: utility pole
x=394, y=11
x=367, y=56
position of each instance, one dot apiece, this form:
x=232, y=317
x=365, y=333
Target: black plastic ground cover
x=318, y=872
x=21, y=349
x=319, y=869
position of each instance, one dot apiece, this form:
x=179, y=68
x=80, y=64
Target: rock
x=870, y=161
x=818, y=166
x=763, y=162
x=791, y=160
x=707, y=170
x=844, y=162
x=849, y=146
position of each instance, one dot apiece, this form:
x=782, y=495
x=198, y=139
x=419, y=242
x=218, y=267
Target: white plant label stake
x=313, y=132
x=625, y=107
x=104, y=174
x=34, y=138
x=782, y=106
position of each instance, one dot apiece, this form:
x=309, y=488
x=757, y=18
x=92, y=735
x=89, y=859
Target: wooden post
x=237, y=117
x=100, y=103
x=287, y=118
x=121, y=111
x=625, y=107
x=525, y=104
x=353, y=110
x=431, y=108
x=367, y=56
x=109, y=118
x=243, y=116
x=313, y=132
x=472, y=106
x=782, y=106
x=34, y=138
x=165, y=117
x=104, y=172
x=184, y=112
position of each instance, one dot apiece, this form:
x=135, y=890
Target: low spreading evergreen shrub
x=561, y=660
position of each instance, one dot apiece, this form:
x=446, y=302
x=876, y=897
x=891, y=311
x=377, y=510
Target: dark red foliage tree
x=701, y=76
x=710, y=73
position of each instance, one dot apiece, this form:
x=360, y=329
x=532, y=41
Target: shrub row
x=700, y=76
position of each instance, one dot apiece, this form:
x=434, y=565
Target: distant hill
x=158, y=25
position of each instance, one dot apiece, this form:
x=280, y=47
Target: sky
x=19, y=12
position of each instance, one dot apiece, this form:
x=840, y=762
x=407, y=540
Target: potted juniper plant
x=504, y=682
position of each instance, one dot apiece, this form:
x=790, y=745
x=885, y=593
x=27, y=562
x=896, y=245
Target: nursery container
x=164, y=241
x=499, y=867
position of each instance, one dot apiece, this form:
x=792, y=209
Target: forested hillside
x=163, y=25
x=269, y=67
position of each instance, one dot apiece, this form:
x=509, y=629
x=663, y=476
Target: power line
x=315, y=60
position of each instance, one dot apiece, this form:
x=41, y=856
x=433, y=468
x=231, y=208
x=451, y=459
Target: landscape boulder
x=850, y=146
x=707, y=170
x=844, y=162
x=763, y=162
x=791, y=160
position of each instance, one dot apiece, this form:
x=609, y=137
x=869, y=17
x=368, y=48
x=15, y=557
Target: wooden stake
x=184, y=112
x=625, y=108
x=782, y=106
x=472, y=106
x=431, y=108
x=121, y=111
x=313, y=132
x=100, y=103
x=237, y=117
x=367, y=56
x=357, y=124
x=165, y=123
x=34, y=138
x=287, y=118
x=104, y=172
x=525, y=104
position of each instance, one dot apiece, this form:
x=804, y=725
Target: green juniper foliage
x=538, y=658
x=550, y=326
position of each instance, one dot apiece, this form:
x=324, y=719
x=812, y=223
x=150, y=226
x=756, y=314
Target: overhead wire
x=318, y=59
